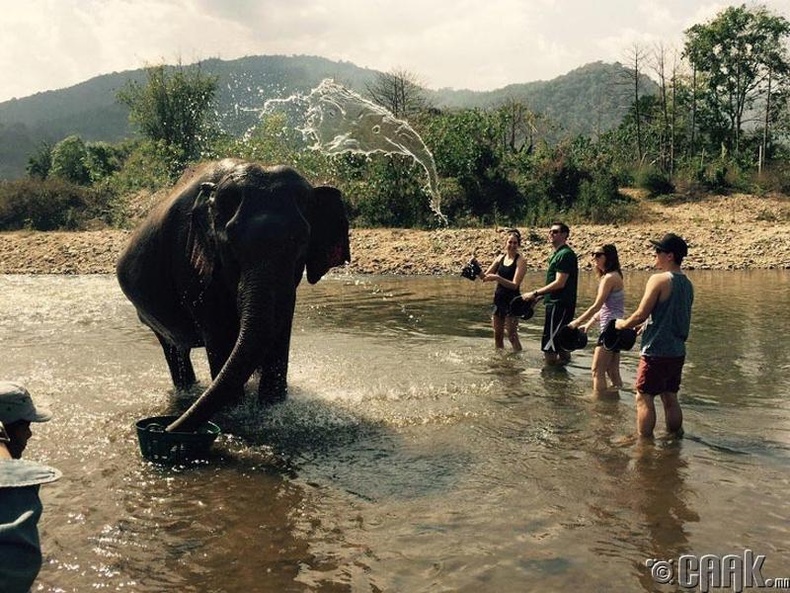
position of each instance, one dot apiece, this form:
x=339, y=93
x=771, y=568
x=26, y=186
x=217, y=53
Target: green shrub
x=52, y=204
x=774, y=178
x=68, y=161
x=145, y=168
x=721, y=175
x=453, y=204
x=600, y=202
x=549, y=189
x=537, y=208
x=388, y=192
x=654, y=181
x=714, y=176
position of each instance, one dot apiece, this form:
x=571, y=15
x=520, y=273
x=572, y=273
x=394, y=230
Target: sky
x=461, y=44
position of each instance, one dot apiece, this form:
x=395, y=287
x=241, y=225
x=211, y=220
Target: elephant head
x=254, y=211
x=218, y=265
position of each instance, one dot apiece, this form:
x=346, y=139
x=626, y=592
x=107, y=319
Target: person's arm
x=515, y=284
x=490, y=275
x=657, y=285
x=594, y=319
x=557, y=284
x=605, y=287
x=521, y=270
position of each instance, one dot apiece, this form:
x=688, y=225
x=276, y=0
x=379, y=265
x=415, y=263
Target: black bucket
x=174, y=447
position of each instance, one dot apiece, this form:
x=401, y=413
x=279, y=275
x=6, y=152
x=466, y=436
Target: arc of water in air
x=338, y=120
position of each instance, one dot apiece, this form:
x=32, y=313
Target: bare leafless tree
x=399, y=91
x=635, y=58
x=668, y=79
x=519, y=125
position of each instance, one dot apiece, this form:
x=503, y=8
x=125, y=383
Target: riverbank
x=724, y=233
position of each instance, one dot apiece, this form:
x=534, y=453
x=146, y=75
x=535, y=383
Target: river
x=411, y=456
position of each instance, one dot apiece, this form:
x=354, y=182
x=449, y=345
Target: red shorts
x=659, y=374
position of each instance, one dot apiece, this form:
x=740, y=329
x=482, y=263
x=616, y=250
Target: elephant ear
x=329, y=244
x=202, y=252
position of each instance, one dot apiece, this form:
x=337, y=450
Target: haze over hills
x=590, y=99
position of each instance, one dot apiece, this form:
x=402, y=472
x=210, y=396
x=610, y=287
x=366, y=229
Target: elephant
x=217, y=263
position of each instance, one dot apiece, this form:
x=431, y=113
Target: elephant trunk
x=262, y=313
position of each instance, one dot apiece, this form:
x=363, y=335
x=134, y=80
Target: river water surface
x=410, y=456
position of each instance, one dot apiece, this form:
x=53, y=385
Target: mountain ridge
x=90, y=109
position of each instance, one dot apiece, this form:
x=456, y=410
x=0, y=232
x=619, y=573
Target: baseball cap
x=16, y=404
x=672, y=243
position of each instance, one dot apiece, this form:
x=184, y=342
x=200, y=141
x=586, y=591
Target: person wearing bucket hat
x=559, y=293
x=608, y=305
x=665, y=311
x=507, y=271
x=20, y=505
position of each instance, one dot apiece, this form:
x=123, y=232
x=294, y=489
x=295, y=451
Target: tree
x=40, y=162
x=738, y=54
x=468, y=147
x=103, y=159
x=518, y=125
x=667, y=96
x=400, y=92
x=69, y=161
x=174, y=108
x=74, y=160
x=636, y=57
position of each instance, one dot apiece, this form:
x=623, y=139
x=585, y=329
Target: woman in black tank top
x=507, y=271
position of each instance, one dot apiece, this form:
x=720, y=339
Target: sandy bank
x=724, y=233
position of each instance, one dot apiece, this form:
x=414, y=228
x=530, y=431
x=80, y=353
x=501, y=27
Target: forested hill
x=589, y=99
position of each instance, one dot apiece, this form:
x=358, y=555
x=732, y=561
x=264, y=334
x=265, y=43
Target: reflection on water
x=410, y=456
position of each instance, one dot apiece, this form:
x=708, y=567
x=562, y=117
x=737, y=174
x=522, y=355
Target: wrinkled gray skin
x=217, y=263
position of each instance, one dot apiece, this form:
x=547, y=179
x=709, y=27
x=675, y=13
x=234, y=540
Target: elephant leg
x=179, y=363
x=273, y=385
x=219, y=345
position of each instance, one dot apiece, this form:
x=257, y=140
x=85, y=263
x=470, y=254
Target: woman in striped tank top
x=609, y=304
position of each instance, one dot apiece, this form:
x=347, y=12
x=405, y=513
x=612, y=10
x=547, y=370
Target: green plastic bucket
x=174, y=447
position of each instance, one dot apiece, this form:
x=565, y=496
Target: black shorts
x=557, y=316
x=502, y=302
x=600, y=343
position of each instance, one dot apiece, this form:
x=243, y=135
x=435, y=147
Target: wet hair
x=515, y=232
x=612, y=262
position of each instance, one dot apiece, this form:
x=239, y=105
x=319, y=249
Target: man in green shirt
x=559, y=292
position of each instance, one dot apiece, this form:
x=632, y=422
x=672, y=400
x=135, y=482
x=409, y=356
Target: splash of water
x=338, y=120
